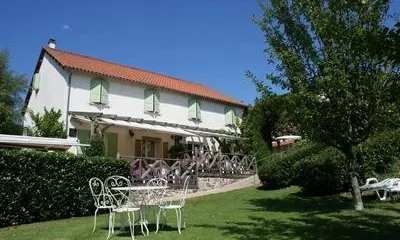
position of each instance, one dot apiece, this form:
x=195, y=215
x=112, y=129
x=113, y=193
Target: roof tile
x=88, y=64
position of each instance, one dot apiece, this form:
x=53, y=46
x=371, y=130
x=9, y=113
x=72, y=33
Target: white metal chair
x=177, y=207
x=124, y=201
x=101, y=199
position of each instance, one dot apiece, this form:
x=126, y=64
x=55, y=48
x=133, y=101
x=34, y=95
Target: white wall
x=127, y=99
x=52, y=90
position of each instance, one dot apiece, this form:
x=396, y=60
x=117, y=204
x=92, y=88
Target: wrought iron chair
x=124, y=201
x=177, y=207
x=101, y=199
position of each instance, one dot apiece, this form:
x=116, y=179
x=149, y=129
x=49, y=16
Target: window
x=151, y=101
x=99, y=91
x=36, y=81
x=230, y=116
x=194, y=109
x=148, y=148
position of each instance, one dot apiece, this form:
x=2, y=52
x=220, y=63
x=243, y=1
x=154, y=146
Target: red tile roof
x=96, y=66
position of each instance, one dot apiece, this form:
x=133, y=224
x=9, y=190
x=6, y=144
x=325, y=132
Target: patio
x=245, y=214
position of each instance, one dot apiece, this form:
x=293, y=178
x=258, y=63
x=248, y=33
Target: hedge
x=277, y=170
x=323, y=173
x=38, y=186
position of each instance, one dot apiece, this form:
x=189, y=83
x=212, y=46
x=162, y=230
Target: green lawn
x=245, y=214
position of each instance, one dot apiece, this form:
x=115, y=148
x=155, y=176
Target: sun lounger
x=381, y=188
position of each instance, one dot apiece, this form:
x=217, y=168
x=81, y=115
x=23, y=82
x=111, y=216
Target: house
x=140, y=113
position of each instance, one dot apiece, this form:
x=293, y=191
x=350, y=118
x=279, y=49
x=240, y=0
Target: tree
x=332, y=55
x=47, y=125
x=12, y=88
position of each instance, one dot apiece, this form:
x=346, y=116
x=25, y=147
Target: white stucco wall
x=127, y=99
x=52, y=90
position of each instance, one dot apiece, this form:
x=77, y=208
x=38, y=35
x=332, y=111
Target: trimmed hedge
x=37, y=186
x=323, y=173
x=277, y=170
x=380, y=154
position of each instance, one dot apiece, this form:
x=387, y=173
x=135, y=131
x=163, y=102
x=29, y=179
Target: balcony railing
x=206, y=164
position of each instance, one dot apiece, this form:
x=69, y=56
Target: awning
x=38, y=142
x=145, y=126
x=211, y=134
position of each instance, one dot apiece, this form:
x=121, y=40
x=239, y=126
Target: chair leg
x=132, y=224
x=95, y=215
x=113, y=222
x=158, y=220
x=177, y=211
x=110, y=224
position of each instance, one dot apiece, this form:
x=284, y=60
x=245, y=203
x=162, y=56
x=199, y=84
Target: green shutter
x=95, y=91
x=156, y=102
x=104, y=91
x=148, y=100
x=228, y=116
x=83, y=136
x=234, y=117
x=192, y=108
x=198, y=110
x=36, y=81
x=112, y=144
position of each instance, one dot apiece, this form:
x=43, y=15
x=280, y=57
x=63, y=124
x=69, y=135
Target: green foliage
x=379, y=154
x=335, y=59
x=48, y=124
x=96, y=148
x=277, y=170
x=176, y=150
x=322, y=173
x=12, y=87
x=39, y=186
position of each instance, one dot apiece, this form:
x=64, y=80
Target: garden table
x=143, y=190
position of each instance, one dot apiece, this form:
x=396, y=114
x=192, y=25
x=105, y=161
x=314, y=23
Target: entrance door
x=112, y=144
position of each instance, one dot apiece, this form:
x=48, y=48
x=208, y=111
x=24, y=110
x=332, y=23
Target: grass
x=245, y=214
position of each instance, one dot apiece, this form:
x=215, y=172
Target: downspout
x=68, y=98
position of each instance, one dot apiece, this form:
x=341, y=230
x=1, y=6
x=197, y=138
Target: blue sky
x=208, y=41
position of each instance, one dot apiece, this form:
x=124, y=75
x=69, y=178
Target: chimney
x=52, y=43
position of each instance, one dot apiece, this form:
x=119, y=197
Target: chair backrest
x=185, y=189
x=156, y=196
x=101, y=199
x=121, y=197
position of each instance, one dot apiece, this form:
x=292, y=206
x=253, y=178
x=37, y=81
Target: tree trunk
x=355, y=187
x=355, y=191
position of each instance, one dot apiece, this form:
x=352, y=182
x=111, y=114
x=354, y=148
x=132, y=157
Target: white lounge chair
x=386, y=186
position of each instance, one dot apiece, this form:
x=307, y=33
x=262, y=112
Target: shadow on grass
x=295, y=216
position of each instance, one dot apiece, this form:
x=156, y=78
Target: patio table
x=143, y=190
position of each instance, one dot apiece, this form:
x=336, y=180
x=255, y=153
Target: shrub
x=96, y=148
x=277, y=171
x=38, y=186
x=322, y=173
x=379, y=154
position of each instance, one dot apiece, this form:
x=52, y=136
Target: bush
x=379, y=155
x=38, y=186
x=277, y=170
x=323, y=173
x=96, y=148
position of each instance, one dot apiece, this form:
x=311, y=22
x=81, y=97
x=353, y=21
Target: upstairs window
x=99, y=91
x=194, y=109
x=151, y=101
x=230, y=116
